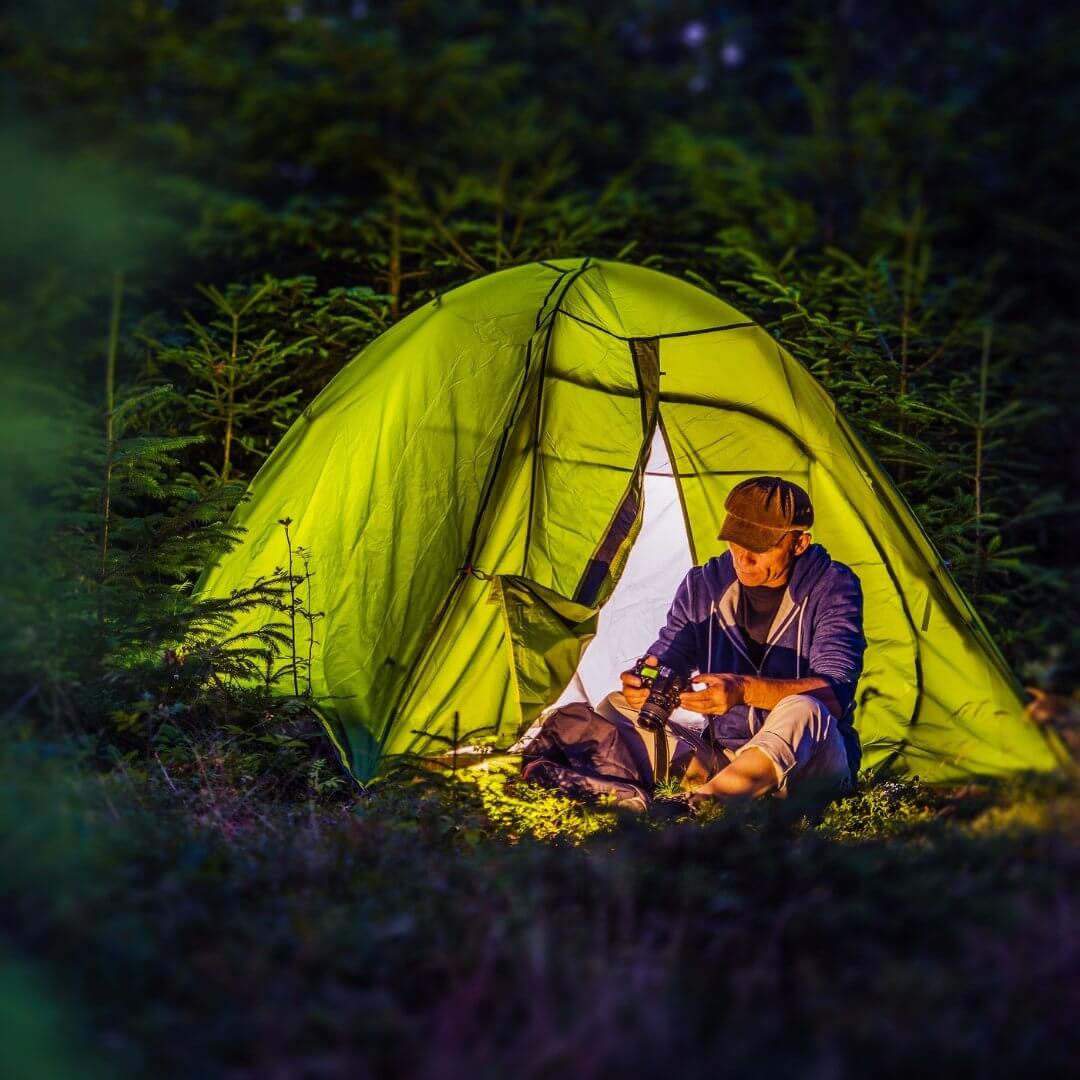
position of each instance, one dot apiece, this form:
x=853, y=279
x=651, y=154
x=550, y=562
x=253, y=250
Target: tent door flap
x=546, y=633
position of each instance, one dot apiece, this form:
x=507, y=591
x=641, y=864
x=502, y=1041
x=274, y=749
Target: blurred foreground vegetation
x=206, y=210
x=203, y=912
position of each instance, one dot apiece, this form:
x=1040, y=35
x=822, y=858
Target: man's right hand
x=632, y=689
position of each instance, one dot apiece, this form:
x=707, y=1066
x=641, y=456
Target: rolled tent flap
x=546, y=634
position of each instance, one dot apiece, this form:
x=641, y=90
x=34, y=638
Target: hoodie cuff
x=844, y=692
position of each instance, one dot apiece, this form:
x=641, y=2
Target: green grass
x=201, y=913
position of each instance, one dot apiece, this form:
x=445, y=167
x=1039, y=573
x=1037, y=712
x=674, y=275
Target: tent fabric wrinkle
x=501, y=494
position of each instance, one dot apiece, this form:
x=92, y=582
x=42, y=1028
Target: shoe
x=585, y=787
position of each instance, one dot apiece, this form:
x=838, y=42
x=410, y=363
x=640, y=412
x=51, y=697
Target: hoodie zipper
x=738, y=645
x=779, y=630
x=796, y=610
x=768, y=645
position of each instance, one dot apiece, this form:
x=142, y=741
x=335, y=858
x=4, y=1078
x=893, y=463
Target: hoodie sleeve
x=837, y=643
x=677, y=644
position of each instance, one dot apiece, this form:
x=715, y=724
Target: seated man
x=775, y=628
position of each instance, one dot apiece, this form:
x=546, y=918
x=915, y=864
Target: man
x=775, y=628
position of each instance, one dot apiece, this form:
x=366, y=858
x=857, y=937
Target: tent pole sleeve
x=538, y=424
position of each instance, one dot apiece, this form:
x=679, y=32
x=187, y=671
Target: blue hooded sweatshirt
x=817, y=631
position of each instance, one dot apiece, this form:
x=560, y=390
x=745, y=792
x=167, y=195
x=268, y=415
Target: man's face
x=772, y=567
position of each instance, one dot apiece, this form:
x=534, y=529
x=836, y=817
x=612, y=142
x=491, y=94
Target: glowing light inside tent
x=639, y=605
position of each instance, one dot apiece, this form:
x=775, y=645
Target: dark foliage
x=222, y=930
x=279, y=181
x=208, y=208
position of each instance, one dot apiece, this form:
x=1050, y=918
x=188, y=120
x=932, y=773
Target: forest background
x=208, y=209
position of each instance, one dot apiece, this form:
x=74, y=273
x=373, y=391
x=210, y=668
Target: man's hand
x=720, y=694
x=632, y=689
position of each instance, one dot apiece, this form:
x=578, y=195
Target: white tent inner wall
x=638, y=606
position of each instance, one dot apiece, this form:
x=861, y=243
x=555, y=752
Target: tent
x=498, y=496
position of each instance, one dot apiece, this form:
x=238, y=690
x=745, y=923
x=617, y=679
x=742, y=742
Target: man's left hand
x=720, y=694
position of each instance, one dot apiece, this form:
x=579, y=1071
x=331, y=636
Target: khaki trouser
x=684, y=764
x=800, y=737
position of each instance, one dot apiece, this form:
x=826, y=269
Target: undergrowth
x=204, y=910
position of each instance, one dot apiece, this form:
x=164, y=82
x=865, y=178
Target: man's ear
x=802, y=543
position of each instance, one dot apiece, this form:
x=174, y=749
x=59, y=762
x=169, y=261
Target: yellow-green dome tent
x=470, y=486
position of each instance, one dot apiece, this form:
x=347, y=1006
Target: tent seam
x=539, y=413
x=455, y=585
x=653, y=337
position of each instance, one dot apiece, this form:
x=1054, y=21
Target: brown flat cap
x=760, y=510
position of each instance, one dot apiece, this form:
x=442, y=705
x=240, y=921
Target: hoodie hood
x=723, y=583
